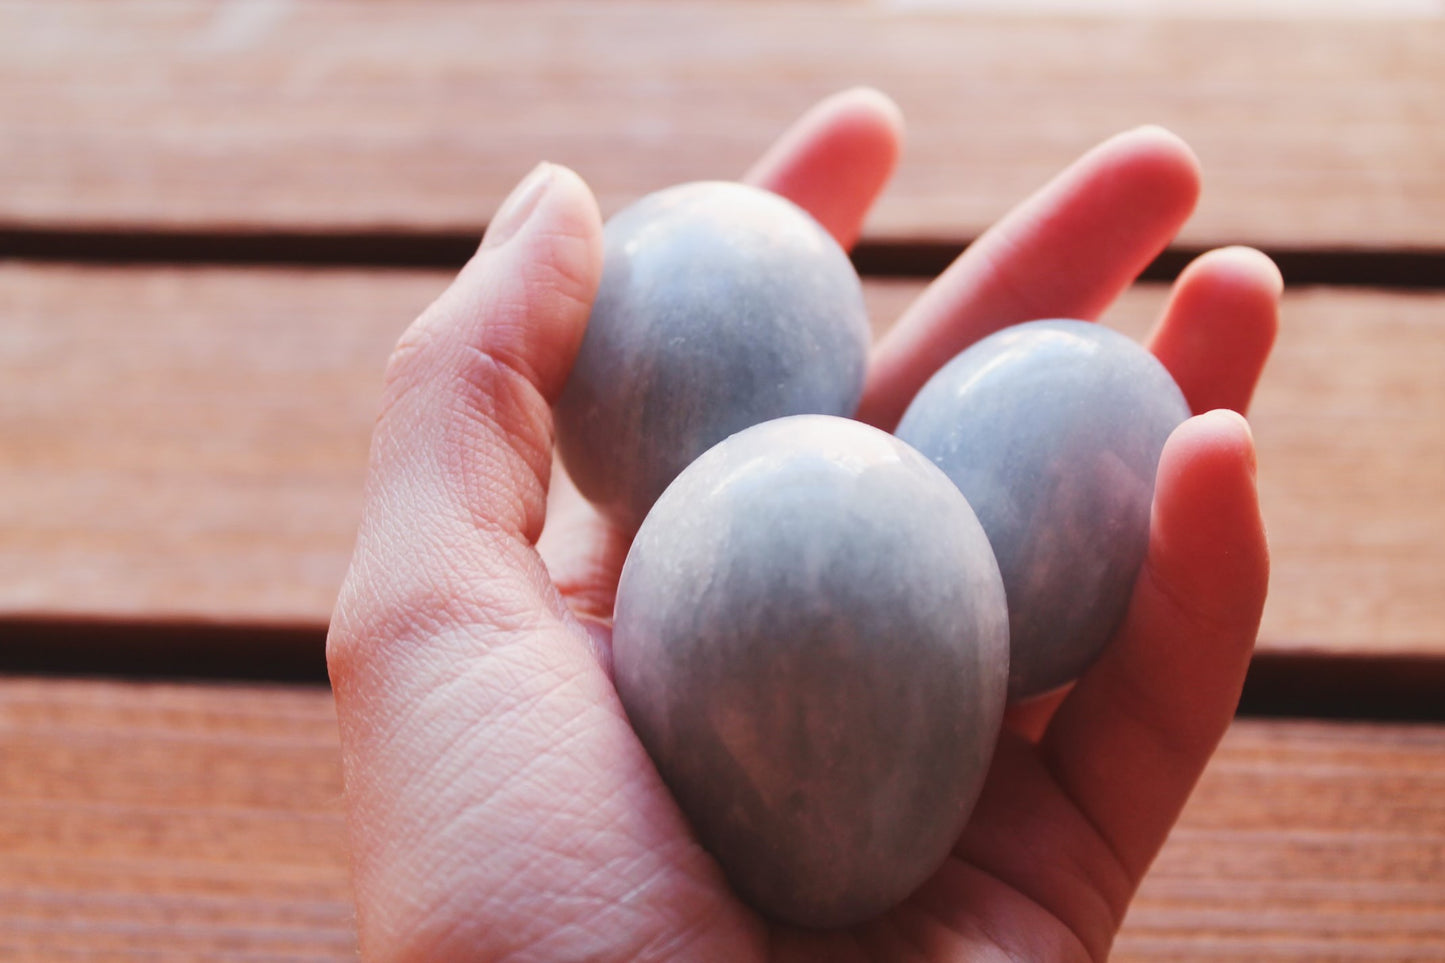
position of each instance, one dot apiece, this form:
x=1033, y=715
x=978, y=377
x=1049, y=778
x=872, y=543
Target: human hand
x=499, y=803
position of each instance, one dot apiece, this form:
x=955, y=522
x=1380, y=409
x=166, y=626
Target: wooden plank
x=1321, y=131
x=175, y=822
x=1303, y=841
x=188, y=444
x=171, y=823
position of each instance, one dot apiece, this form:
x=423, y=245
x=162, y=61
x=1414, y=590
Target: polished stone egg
x=811, y=640
x=1053, y=430
x=721, y=306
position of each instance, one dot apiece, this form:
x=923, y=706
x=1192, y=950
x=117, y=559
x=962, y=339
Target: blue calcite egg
x=720, y=306
x=811, y=640
x=1053, y=429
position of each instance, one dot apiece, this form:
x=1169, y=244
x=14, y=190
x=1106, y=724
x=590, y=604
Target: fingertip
x=1207, y=539
x=836, y=159
x=1165, y=143
x=1220, y=436
x=573, y=203
x=1238, y=270
x=567, y=212
x=872, y=111
x=535, y=288
x=1220, y=326
x=1160, y=165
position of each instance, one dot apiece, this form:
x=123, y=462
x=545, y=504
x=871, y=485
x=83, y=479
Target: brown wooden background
x=216, y=217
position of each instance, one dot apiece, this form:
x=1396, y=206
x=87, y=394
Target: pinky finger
x=1136, y=731
x=1219, y=326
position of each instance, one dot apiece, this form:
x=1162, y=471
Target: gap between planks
x=1401, y=269
x=421, y=116
x=1285, y=685
x=1297, y=685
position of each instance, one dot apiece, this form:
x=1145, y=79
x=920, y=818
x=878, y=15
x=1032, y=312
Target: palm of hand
x=499, y=802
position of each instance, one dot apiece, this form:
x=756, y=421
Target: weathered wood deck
x=216, y=217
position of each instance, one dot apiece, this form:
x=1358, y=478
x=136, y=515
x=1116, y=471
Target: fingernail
x=518, y=206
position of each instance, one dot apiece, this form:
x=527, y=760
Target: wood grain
x=170, y=822
x=1303, y=841
x=188, y=444
x=355, y=115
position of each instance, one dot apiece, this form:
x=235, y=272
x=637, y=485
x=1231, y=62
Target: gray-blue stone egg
x=1053, y=430
x=721, y=306
x=811, y=640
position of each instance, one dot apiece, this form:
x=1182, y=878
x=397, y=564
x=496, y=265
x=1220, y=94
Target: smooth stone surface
x=810, y=639
x=721, y=306
x=1053, y=430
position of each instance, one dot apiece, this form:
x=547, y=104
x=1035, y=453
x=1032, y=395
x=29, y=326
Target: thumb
x=447, y=628
x=499, y=804
x=466, y=406
x=456, y=488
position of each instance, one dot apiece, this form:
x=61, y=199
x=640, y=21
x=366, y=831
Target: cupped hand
x=499, y=804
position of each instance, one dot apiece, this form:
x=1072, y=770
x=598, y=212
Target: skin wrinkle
x=460, y=864
x=1008, y=948
x=519, y=709
x=412, y=617
x=558, y=282
x=1011, y=948
x=494, y=366
x=387, y=728
x=580, y=583
x=401, y=378
x=1105, y=877
x=582, y=550
x=896, y=930
x=663, y=945
x=1223, y=624
x=946, y=935
x=439, y=503
x=397, y=740
x=1116, y=904
x=1141, y=711
x=518, y=469
x=1056, y=796
x=570, y=267
x=1137, y=704
x=596, y=913
x=483, y=677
